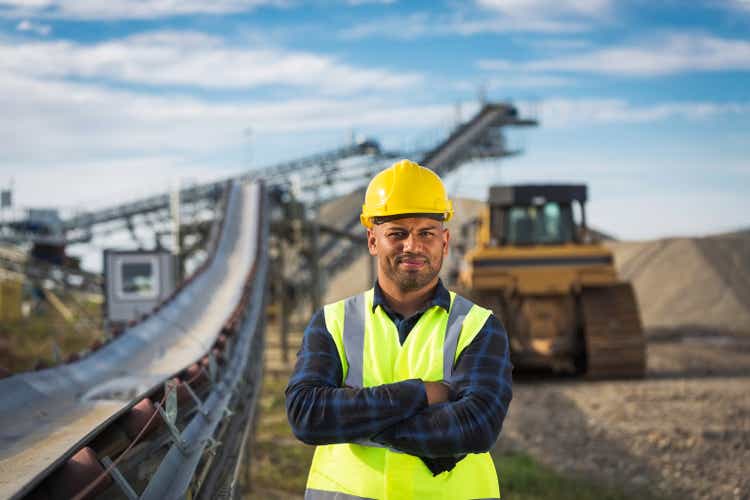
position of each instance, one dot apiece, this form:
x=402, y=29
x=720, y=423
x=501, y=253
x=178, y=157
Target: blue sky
x=647, y=102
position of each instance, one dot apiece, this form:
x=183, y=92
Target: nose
x=410, y=243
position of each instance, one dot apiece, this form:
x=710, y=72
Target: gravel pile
x=690, y=283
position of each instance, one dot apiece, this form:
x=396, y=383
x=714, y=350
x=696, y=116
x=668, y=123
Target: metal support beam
x=119, y=479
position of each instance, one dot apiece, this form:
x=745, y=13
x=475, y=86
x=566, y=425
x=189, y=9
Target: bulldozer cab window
x=548, y=224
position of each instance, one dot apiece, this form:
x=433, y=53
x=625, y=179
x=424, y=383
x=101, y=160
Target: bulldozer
x=553, y=284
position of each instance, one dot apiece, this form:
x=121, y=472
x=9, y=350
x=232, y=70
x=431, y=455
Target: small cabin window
x=138, y=279
x=550, y=223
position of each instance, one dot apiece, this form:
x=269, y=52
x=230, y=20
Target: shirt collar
x=441, y=297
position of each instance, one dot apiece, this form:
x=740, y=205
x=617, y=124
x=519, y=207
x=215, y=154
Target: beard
x=409, y=280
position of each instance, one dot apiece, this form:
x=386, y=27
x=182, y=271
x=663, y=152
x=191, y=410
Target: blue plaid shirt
x=322, y=411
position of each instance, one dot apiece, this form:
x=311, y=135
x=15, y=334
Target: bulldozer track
x=615, y=343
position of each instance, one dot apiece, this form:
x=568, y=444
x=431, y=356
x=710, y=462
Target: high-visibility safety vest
x=371, y=355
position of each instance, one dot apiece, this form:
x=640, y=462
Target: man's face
x=410, y=251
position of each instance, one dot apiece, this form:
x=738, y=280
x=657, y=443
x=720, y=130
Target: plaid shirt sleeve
x=481, y=383
x=321, y=411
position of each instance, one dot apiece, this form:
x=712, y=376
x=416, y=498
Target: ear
x=372, y=241
x=446, y=240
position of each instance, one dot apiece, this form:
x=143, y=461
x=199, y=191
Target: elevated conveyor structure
x=313, y=171
x=477, y=138
x=480, y=137
x=47, y=416
x=314, y=168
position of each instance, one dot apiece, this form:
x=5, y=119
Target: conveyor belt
x=46, y=415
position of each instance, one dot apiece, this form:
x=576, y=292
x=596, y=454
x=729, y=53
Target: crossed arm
x=399, y=415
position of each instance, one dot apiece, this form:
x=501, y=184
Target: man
x=404, y=388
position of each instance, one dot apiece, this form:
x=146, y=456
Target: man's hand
x=437, y=392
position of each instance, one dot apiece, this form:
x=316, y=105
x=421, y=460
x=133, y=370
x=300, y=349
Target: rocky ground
x=684, y=430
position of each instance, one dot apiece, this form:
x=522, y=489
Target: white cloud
x=48, y=121
x=555, y=44
x=39, y=29
x=126, y=9
x=422, y=24
x=194, y=60
x=740, y=4
x=560, y=112
x=490, y=16
x=673, y=54
x=463, y=23
x=399, y=28
x=468, y=26
x=549, y=9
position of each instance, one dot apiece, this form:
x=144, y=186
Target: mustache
x=411, y=256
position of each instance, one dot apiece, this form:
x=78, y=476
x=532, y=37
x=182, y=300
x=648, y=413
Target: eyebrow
x=420, y=228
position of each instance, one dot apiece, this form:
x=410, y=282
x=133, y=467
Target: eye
x=426, y=234
x=397, y=235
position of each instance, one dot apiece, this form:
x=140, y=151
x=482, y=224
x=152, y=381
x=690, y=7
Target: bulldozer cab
x=537, y=215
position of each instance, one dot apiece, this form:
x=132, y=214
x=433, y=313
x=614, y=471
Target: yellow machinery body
x=561, y=301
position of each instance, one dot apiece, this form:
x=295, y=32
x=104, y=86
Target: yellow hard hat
x=405, y=188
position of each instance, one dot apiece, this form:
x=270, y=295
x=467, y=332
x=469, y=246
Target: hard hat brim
x=368, y=222
x=380, y=219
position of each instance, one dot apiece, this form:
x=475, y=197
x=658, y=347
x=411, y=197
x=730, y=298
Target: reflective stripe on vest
x=371, y=354
x=311, y=494
x=354, y=339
